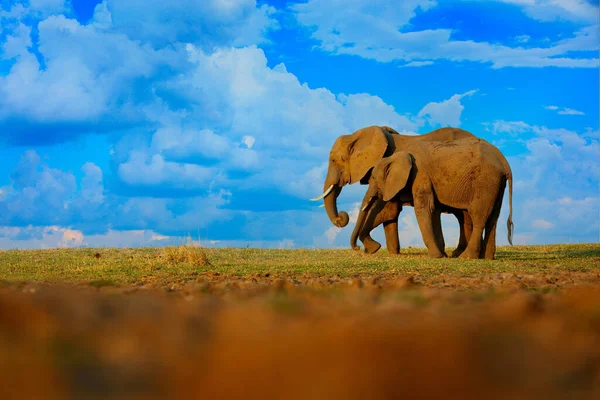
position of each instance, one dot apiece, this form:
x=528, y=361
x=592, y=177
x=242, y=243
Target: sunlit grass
x=186, y=261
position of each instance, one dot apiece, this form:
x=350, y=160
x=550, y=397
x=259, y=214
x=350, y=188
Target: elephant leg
x=436, y=220
x=424, y=209
x=385, y=213
x=371, y=246
x=479, y=213
x=488, y=250
x=373, y=220
x=462, y=240
x=392, y=239
x=468, y=226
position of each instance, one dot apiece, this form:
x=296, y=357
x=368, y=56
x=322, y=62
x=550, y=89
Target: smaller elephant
x=475, y=184
x=368, y=221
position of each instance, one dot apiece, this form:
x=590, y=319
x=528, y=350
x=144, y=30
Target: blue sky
x=136, y=123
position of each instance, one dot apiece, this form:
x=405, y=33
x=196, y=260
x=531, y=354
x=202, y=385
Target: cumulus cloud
x=32, y=237
x=447, y=112
x=269, y=121
x=154, y=170
x=92, y=92
x=549, y=10
x=210, y=138
x=570, y=111
x=41, y=196
x=564, y=110
x=380, y=31
x=75, y=89
x=207, y=23
x=553, y=180
x=510, y=128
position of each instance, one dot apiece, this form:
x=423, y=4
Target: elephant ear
x=366, y=147
x=396, y=172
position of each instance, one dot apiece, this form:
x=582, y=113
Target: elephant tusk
x=324, y=194
x=322, y=205
x=368, y=204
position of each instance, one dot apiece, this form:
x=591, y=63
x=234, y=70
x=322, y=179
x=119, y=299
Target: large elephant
x=466, y=174
x=351, y=159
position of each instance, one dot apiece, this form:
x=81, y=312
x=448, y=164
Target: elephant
x=363, y=228
x=351, y=160
x=466, y=174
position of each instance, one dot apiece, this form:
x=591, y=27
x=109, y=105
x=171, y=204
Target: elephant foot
x=470, y=255
x=457, y=252
x=436, y=254
x=371, y=246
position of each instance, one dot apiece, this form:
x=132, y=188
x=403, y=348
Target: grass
x=186, y=254
x=526, y=325
x=109, y=266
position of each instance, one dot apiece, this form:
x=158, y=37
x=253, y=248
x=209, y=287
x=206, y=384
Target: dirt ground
x=367, y=336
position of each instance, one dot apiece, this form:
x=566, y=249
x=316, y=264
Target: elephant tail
x=509, y=223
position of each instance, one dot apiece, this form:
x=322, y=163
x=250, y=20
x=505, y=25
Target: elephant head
x=388, y=178
x=350, y=160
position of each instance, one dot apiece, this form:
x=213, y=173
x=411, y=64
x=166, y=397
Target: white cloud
x=248, y=141
x=92, y=187
x=511, y=129
x=375, y=33
x=523, y=38
x=418, y=64
x=211, y=117
x=84, y=86
x=207, y=23
x=564, y=110
x=353, y=213
x=542, y=224
x=158, y=237
x=49, y=7
x=570, y=111
x=35, y=8
x=553, y=181
x=32, y=237
x=177, y=143
x=17, y=42
x=154, y=170
x=92, y=91
x=294, y=124
x=49, y=237
x=447, y=112
x=548, y=10
x=71, y=238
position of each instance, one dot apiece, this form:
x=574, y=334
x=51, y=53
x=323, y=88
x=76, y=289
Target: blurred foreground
x=258, y=336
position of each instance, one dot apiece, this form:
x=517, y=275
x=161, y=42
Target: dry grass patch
x=190, y=254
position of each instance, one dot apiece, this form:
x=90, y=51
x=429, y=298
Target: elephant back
x=445, y=134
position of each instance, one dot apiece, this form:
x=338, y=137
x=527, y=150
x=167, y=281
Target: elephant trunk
x=339, y=219
x=360, y=221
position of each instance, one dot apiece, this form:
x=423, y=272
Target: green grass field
x=129, y=266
